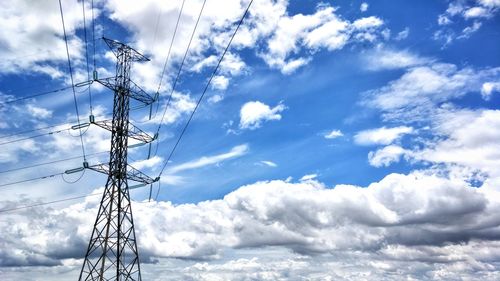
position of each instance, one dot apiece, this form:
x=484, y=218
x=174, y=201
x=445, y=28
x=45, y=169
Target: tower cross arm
x=133, y=131
x=134, y=91
x=132, y=173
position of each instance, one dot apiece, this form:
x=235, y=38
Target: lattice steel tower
x=112, y=251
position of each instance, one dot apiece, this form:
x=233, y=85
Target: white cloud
x=220, y=82
x=206, y=62
x=308, y=177
x=488, y=88
x=468, y=138
x=431, y=224
x=403, y=34
x=444, y=20
x=421, y=88
x=33, y=36
x=490, y=3
x=323, y=29
x=363, y=7
x=382, y=135
x=385, y=156
x=476, y=12
x=38, y=112
x=232, y=64
x=180, y=105
x=236, y=151
x=334, y=134
x=367, y=23
x=293, y=64
x=253, y=113
x=215, y=98
x=466, y=32
x=269, y=163
x=382, y=58
x=147, y=163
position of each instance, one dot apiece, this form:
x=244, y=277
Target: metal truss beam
x=132, y=132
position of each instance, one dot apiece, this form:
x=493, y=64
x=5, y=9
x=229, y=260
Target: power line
x=171, y=43
x=93, y=32
x=71, y=75
x=203, y=94
x=180, y=68
x=51, y=162
x=48, y=203
x=35, y=95
x=156, y=25
x=32, y=130
x=32, y=179
x=86, y=54
x=36, y=136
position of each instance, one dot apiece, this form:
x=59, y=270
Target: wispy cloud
x=236, y=151
x=269, y=163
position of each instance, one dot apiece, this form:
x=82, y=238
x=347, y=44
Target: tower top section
x=116, y=47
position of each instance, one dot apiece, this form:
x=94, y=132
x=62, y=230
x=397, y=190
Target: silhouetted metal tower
x=112, y=251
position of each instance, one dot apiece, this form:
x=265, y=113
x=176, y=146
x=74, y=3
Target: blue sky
x=377, y=121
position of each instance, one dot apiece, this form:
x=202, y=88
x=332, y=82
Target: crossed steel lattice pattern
x=112, y=251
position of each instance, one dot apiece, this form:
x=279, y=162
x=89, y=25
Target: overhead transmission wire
x=156, y=25
x=36, y=136
x=168, y=54
x=35, y=95
x=203, y=94
x=48, y=203
x=72, y=82
x=180, y=69
x=171, y=42
x=93, y=32
x=32, y=179
x=46, y=176
x=51, y=162
x=33, y=130
x=86, y=54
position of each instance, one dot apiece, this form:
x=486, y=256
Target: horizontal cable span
x=47, y=203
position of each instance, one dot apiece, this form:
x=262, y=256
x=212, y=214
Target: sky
x=338, y=140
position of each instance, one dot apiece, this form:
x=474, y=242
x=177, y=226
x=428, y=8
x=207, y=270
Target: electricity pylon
x=112, y=251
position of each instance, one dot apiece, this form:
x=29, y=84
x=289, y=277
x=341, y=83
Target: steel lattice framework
x=112, y=251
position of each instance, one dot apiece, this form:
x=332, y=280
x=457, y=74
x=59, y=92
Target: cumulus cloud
x=323, y=29
x=32, y=36
x=385, y=156
x=468, y=140
x=420, y=218
x=254, y=113
x=381, y=135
